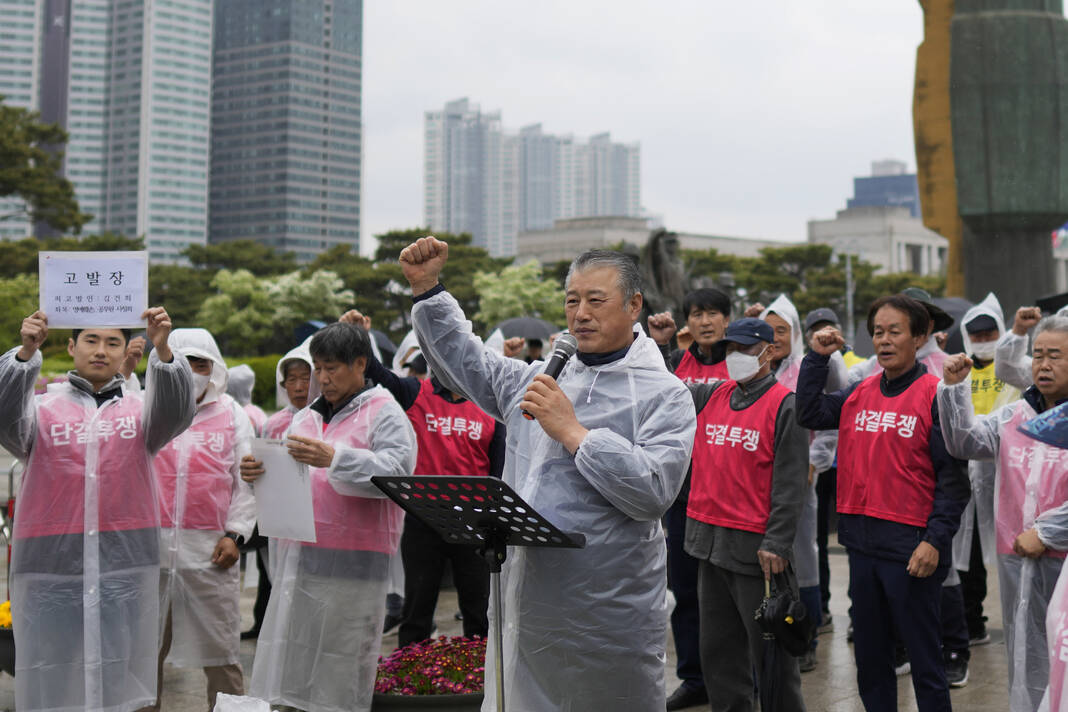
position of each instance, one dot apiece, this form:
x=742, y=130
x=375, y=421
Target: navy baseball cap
x=819, y=315
x=749, y=331
x=983, y=322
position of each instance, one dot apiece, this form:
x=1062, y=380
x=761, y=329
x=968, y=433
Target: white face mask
x=741, y=367
x=200, y=383
x=985, y=350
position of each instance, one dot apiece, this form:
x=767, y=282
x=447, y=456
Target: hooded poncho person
x=584, y=629
x=85, y=557
x=277, y=424
x=1030, y=489
x=319, y=644
x=806, y=551
x=239, y=387
x=202, y=496
x=993, y=393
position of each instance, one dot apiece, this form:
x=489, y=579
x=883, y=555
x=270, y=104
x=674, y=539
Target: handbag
x=782, y=616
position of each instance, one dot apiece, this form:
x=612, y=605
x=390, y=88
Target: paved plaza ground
x=830, y=688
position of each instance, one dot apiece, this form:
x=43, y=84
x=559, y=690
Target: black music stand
x=482, y=512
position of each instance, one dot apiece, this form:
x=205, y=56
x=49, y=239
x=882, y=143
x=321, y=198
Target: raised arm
x=170, y=402
x=1011, y=362
x=817, y=409
x=19, y=369
x=966, y=435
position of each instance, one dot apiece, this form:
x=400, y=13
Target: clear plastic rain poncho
x=584, y=629
x=1030, y=490
x=1012, y=363
x=824, y=443
x=980, y=509
x=319, y=644
x=202, y=496
x=85, y=557
x=277, y=424
x=239, y=387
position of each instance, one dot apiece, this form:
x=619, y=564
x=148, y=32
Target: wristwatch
x=237, y=538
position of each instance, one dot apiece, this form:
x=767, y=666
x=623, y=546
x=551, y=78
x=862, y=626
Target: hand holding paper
x=283, y=491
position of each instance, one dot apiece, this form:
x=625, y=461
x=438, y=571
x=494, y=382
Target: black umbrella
x=385, y=346
x=527, y=327
x=955, y=307
x=787, y=631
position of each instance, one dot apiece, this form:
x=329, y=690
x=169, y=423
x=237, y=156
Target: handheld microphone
x=564, y=348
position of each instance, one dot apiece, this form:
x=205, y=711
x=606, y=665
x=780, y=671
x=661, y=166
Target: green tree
x=181, y=290
x=20, y=256
x=30, y=162
x=298, y=298
x=240, y=315
x=458, y=276
x=249, y=255
x=18, y=299
x=518, y=290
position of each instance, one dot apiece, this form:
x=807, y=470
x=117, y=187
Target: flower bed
x=440, y=666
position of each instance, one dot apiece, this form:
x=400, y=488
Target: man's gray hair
x=630, y=279
x=1054, y=322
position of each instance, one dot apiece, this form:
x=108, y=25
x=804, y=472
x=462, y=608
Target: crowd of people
x=712, y=460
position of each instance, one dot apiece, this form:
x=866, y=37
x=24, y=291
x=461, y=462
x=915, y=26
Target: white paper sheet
x=283, y=493
x=87, y=289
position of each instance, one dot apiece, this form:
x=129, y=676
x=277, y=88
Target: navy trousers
x=682, y=579
x=884, y=595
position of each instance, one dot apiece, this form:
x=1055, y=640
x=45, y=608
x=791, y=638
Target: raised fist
x=956, y=369
x=826, y=341
x=422, y=262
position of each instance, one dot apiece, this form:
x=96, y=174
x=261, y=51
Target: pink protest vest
x=690, y=370
x=257, y=416
x=203, y=456
x=346, y=522
x=733, y=460
x=453, y=438
x=1057, y=641
x=277, y=425
x=884, y=452
x=84, y=453
x=1032, y=477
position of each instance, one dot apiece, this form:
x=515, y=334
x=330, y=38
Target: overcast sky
x=753, y=117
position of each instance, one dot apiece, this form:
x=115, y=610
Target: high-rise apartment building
x=494, y=185
x=130, y=81
x=20, y=69
x=286, y=133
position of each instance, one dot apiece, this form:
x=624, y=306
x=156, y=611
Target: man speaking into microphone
x=604, y=456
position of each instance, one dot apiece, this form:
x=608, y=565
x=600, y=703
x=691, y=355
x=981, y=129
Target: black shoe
x=250, y=634
x=391, y=623
x=685, y=697
x=978, y=638
x=956, y=669
x=807, y=662
x=849, y=633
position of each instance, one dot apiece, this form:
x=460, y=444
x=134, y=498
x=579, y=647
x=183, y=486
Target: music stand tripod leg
x=495, y=551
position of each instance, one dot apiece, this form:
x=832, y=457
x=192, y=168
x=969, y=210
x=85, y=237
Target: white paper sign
x=87, y=289
x=283, y=493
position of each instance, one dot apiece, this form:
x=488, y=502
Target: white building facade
x=886, y=236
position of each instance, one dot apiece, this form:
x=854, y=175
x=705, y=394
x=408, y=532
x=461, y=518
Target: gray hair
x=1055, y=322
x=630, y=280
